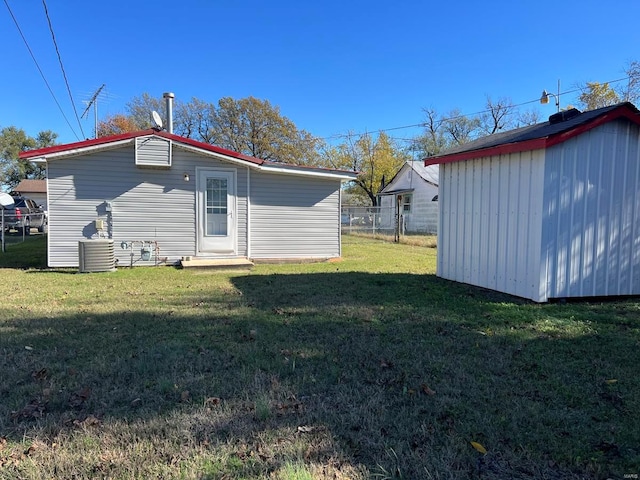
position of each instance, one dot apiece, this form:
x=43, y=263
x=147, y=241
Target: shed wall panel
x=294, y=217
x=490, y=222
x=591, y=205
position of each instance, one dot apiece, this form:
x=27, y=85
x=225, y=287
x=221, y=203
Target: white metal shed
x=546, y=211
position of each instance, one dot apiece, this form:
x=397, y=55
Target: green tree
x=256, y=128
x=139, y=110
x=116, y=124
x=597, y=95
x=374, y=158
x=14, y=140
x=249, y=125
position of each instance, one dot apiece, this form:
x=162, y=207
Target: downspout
x=248, y=213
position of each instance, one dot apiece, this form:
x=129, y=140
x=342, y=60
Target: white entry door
x=216, y=212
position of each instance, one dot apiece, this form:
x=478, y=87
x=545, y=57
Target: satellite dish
x=156, y=119
x=6, y=200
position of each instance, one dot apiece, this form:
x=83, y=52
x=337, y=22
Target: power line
x=38, y=67
x=469, y=115
x=64, y=74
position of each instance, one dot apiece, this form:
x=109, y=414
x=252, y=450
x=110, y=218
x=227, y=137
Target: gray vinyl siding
x=591, y=226
x=153, y=205
x=294, y=217
x=489, y=226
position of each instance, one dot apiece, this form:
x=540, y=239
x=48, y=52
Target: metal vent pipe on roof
x=168, y=97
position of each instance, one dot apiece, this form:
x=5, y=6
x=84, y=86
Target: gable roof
x=560, y=128
x=400, y=182
x=31, y=186
x=114, y=141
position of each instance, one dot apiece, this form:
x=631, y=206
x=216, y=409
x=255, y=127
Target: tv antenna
x=94, y=101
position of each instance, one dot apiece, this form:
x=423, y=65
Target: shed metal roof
x=541, y=135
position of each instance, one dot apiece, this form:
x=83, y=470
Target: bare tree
x=460, y=128
x=528, y=117
x=631, y=91
x=498, y=115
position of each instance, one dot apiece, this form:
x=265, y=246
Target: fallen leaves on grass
x=479, y=447
x=426, y=390
x=211, y=402
x=306, y=429
x=89, y=421
x=77, y=399
x=39, y=375
x=34, y=409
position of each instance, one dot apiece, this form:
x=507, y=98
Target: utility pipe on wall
x=168, y=97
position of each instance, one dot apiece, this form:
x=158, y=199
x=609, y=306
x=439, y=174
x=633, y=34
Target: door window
x=216, y=206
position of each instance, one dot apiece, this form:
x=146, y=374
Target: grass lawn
x=369, y=367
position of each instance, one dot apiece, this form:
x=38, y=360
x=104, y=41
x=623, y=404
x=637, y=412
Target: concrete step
x=219, y=263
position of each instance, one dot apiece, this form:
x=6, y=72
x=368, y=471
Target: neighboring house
x=33, y=189
x=411, y=196
x=183, y=198
x=545, y=211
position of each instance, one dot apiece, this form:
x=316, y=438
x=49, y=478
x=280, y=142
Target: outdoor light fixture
x=544, y=99
x=186, y=177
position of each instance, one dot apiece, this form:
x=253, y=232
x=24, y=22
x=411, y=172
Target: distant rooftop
x=31, y=186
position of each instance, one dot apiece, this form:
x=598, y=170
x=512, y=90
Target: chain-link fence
x=386, y=221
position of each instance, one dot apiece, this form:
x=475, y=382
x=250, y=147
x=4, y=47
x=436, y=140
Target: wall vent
x=96, y=256
x=153, y=152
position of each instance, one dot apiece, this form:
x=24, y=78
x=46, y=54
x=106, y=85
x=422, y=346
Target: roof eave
x=534, y=144
x=342, y=175
x=43, y=158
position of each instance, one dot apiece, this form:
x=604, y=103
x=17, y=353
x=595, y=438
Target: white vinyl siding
x=294, y=217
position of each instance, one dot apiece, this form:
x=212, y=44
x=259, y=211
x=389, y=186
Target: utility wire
x=64, y=74
x=469, y=115
x=39, y=69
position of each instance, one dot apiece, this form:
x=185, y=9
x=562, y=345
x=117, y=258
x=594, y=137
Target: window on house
x=406, y=202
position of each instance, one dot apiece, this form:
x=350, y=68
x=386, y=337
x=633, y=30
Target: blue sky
x=331, y=66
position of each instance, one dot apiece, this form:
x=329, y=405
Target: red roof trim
x=43, y=152
x=537, y=143
x=504, y=149
x=622, y=112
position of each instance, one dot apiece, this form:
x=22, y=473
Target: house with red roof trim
x=161, y=198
